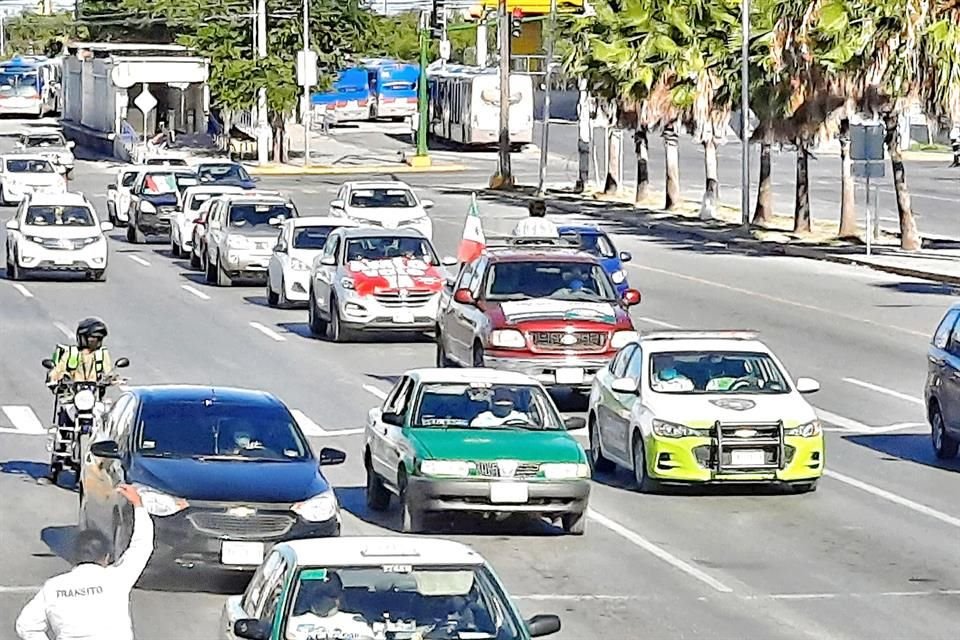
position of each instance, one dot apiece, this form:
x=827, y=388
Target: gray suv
x=942, y=392
x=241, y=235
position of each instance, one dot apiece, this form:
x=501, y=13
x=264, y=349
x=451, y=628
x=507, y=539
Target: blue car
x=597, y=242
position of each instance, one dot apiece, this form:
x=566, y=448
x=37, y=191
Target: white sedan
x=300, y=242
x=391, y=205
x=185, y=218
x=24, y=173
x=56, y=233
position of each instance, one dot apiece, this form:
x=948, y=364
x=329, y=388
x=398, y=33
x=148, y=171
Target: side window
x=477, y=279
x=463, y=280
x=399, y=398
x=619, y=364
x=331, y=246
x=635, y=366
x=124, y=424
x=953, y=344
x=940, y=338
x=128, y=178
x=109, y=426
x=273, y=589
x=253, y=596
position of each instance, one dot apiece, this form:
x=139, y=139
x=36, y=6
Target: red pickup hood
x=394, y=274
x=540, y=313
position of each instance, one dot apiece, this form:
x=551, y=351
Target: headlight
x=318, y=508
x=84, y=400
x=158, y=503
x=508, y=339
x=419, y=220
x=346, y=283
x=455, y=468
x=623, y=338
x=560, y=471
x=672, y=430
x=299, y=265
x=36, y=239
x=619, y=277
x=237, y=242
x=808, y=430
x=147, y=207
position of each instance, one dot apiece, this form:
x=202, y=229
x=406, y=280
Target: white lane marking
x=844, y=423
x=899, y=427
x=24, y=419
x=663, y=554
x=139, y=260
x=885, y=390
x=20, y=589
x=563, y=597
x=23, y=290
x=369, y=388
x=830, y=596
x=195, y=291
x=267, y=332
x=308, y=426
x=341, y=432
x=62, y=328
x=659, y=323
x=894, y=498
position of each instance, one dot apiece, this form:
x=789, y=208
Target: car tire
x=442, y=360
x=100, y=275
x=378, y=497
x=131, y=233
x=642, y=479
x=210, y=272
x=478, y=355
x=336, y=332
x=282, y=301
x=273, y=300
x=574, y=524
x=194, y=260
x=223, y=280
x=804, y=487
x=9, y=266
x=944, y=446
x=175, y=250
x=597, y=462
x=411, y=519
x=112, y=213
x=16, y=272
x=318, y=326
x=3, y=197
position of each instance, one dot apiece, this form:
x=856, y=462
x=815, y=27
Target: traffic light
x=516, y=24
x=438, y=18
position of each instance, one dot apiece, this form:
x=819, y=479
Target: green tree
x=35, y=34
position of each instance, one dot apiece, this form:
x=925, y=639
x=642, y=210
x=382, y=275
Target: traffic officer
x=86, y=361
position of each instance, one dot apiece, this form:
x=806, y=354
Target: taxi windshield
x=723, y=372
x=29, y=166
x=485, y=406
x=575, y=281
x=59, y=216
x=385, y=248
x=399, y=601
x=593, y=243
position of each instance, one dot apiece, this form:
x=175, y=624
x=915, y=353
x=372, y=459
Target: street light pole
x=504, y=176
x=745, y=115
x=263, y=126
x=548, y=78
x=422, y=158
x=305, y=118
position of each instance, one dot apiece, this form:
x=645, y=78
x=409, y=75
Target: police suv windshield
x=258, y=214
x=211, y=430
x=485, y=406
x=386, y=247
x=29, y=166
x=719, y=372
x=575, y=281
x=399, y=601
x=59, y=216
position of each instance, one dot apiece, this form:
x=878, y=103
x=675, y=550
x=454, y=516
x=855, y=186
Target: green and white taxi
x=704, y=407
x=377, y=588
x=475, y=440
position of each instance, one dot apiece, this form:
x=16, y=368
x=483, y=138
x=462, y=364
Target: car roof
x=246, y=196
x=380, y=232
x=311, y=221
x=381, y=184
x=685, y=340
x=520, y=254
x=212, y=188
x=381, y=550
x=70, y=198
x=26, y=155
x=161, y=393
x=432, y=374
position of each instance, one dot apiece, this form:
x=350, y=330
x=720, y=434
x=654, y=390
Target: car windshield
x=29, y=166
x=197, y=200
x=258, y=214
x=166, y=162
x=206, y=429
x=382, y=199
x=14, y=83
x=45, y=141
x=311, y=237
x=485, y=406
x=59, y=216
x=730, y=372
x=593, y=243
x=580, y=281
x=158, y=184
x=385, y=248
x=214, y=172
x=400, y=601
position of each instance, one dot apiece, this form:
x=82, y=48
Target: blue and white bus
x=348, y=101
x=393, y=88
x=30, y=85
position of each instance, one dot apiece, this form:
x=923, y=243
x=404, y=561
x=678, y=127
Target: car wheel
x=645, y=484
x=194, y=258
x=210, y=271
x=318, y=326
x=282, y=301
x=175, y=250
x=9, y=267
x=272, y=298
x=944, y=446
x=100, y=275
x=131, y=236
x=411, y=520
x=442, y=359
x=597, y=461
x=378, y=498
x=335, y=330
x=478, y=355
x=17, y=272
x=574, y=524
x=3, y=197
x=223, y=280
x=112, y=213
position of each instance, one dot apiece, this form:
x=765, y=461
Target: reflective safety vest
x=72, y=353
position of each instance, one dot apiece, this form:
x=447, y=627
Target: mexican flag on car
x=473, y=241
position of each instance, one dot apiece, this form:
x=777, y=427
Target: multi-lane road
x=869, y=555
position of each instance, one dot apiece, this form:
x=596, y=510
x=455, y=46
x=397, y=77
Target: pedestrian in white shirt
x=92, y=601
x=537, y=225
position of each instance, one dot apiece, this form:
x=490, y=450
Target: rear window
x=29, y=166
x=166, y=162
x=311, y=237
x=253, y=215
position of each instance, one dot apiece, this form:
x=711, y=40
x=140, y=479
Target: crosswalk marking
x=24, y=420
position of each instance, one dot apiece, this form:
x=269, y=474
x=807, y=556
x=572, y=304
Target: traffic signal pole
x=422, y=158
x=503, y=178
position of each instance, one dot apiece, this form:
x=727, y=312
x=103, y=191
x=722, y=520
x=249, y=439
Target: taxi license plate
x=508, y=493
x=748, y=458
x=403, y=317
x=241, y=553
x=569, y=376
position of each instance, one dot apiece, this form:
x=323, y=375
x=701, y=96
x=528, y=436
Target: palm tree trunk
x=642, y=147
x=909, y=236
x=583, y=138
x=671, y=153
x=848, y=211
x=801, y=205
x=763, y=213
x=708, y=208
x=614, y=149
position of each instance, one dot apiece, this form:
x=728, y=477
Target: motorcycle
x=77, y=408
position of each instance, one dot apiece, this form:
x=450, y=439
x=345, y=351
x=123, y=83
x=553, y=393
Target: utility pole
x=745, y=115
x=263, y=125
x=307, y=83
x=504, y=176
x=548, y=79
x=3, y=34
x=48, y=7
x=482, y=41
x=422, y=158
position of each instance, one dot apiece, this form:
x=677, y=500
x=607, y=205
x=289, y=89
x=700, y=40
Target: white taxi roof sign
x=389, y=551
x=683, y=334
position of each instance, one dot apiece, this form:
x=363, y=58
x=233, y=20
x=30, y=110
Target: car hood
x=51, y=231
x=229, y=480
x=306, y=256
x=395, y=275
x=389, y=217
x=700, y=411
x=539, y=310
x=496, y=444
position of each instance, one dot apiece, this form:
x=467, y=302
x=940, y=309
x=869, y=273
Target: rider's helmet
x=90, y=328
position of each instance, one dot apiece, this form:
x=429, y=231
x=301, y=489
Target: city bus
x=393, y=88
x=30, y=85
x=349, y=100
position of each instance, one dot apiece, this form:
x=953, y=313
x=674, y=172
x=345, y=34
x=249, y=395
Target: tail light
x=362, y=103
x=341, y=103
x=199, y=221
x=387, y=99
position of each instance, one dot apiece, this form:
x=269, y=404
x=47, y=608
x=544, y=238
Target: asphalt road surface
x=867, y=556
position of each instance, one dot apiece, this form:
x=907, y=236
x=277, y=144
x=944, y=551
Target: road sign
x=306, y=68
x=445, y=49
x=867, y=142
x=145, y=101
x=871, y=169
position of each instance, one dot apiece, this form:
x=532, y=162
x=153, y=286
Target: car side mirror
x=573, y=423
x=328, y=261
x=625, y=385
x=71, y=144
x=275, y=221
x=394, y=419
x=543, y=625
x=280, y=248
x=427, y=204
x=111, y=187
x=631, y=297
x=256, y=178
x=48, y=364
x=330, y=456
x=448, y=261
x=13, y=225
x=807, y=385
x=626, y=256
x=122, y=363
x=106, y=449
x=337, y=204
x=106, y=226
x=463, y=296
x=251, y=629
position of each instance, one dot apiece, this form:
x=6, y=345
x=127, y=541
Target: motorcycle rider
x=92, y=601
x=88, y=360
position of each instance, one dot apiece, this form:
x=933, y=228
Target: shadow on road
x=25, y=468
x=905, y=447
x=935, y=288
x=623, y=479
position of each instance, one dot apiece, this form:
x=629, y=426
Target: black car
x=225, y=473
x=230, y=174
x=154, y=198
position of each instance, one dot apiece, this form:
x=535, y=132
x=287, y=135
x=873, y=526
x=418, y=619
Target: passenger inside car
x=666, y=377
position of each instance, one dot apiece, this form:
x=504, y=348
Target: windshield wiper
x=235, y=456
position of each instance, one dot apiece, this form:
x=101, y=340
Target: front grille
x=568, y=341
x=255, y=527
x=491, y=469
x=729, y=439
x=403, y=298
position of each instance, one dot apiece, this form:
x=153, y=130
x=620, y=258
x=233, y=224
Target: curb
x=327, y=170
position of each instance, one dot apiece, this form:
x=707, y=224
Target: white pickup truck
x=118, y=195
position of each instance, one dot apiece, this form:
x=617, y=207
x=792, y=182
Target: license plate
x=750, y=458
x=508, y=492
x=403, y=317
x=569, y=376
x=241, y=553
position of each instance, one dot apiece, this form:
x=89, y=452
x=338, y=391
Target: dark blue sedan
x=595, y=241
x=227, y=174
x=225, y=473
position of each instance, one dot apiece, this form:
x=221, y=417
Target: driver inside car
x=502, y=411
x=668, y=379
x=317, y=614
